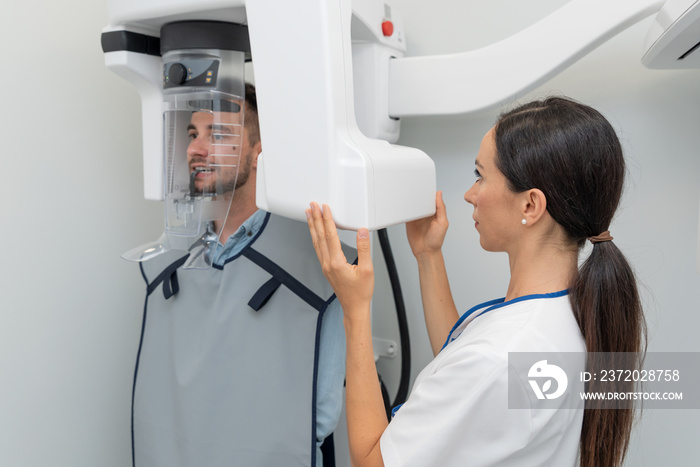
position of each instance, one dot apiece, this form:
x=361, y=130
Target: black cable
x=402, y=392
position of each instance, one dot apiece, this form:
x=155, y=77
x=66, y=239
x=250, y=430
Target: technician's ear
x=534, y=205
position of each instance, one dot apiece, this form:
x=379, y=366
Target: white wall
x=657, y=115
x=71, y=197
x=70, y=308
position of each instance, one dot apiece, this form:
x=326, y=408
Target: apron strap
x=171, y=286
x=169, y=279
x=280, y=276
x=264, y=294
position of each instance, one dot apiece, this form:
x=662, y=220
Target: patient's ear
x=257, y=149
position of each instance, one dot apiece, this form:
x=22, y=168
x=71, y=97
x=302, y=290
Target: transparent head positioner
x=203, y=103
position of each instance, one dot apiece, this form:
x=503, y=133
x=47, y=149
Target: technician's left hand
x=352, y=284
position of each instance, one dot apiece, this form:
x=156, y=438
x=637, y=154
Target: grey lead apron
x=227, y=364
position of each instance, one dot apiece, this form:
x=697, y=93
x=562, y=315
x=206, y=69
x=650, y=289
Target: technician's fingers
x=364, y=257
x=440, y=208
x=318, y=234
x=441, y=211
x=312, y=230
x=332, y=239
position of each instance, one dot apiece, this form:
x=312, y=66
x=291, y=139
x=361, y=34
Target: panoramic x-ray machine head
x=332, y=84
x=313, y=149
x=203, y=109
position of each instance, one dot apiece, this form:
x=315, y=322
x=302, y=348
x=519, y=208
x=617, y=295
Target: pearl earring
x=524, y=221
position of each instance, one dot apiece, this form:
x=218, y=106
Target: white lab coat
x=457, y=413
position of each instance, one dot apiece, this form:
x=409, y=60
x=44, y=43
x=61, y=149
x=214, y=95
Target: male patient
x=241, y=364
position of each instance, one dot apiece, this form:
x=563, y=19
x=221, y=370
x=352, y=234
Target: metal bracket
x=384, y=348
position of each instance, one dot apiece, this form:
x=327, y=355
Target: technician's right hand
x=352, y=284
x=427, y=235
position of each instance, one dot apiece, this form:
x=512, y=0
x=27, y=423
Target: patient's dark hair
x=251, y=114
x=571, y=153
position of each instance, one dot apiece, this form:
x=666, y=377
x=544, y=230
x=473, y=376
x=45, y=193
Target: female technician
x=549, y=176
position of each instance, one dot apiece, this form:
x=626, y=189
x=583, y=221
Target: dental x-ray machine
x=332, y=85
x=303, y=64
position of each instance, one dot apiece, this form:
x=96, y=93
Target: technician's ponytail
x=608, y=310
x=571, y=153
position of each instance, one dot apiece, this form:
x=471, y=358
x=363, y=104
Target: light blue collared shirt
x=331, y=358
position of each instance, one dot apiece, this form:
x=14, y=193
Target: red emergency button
x=387, y=28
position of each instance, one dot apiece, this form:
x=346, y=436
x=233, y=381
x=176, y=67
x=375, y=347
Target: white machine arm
x=486, y=77
x=304, y=77
x=673, y=41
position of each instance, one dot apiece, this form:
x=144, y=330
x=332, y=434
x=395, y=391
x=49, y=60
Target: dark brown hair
x=571, y=153
x=251, y=114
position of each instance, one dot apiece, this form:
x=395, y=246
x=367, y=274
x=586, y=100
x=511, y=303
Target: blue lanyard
x=492, y=305
x=497, y=303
